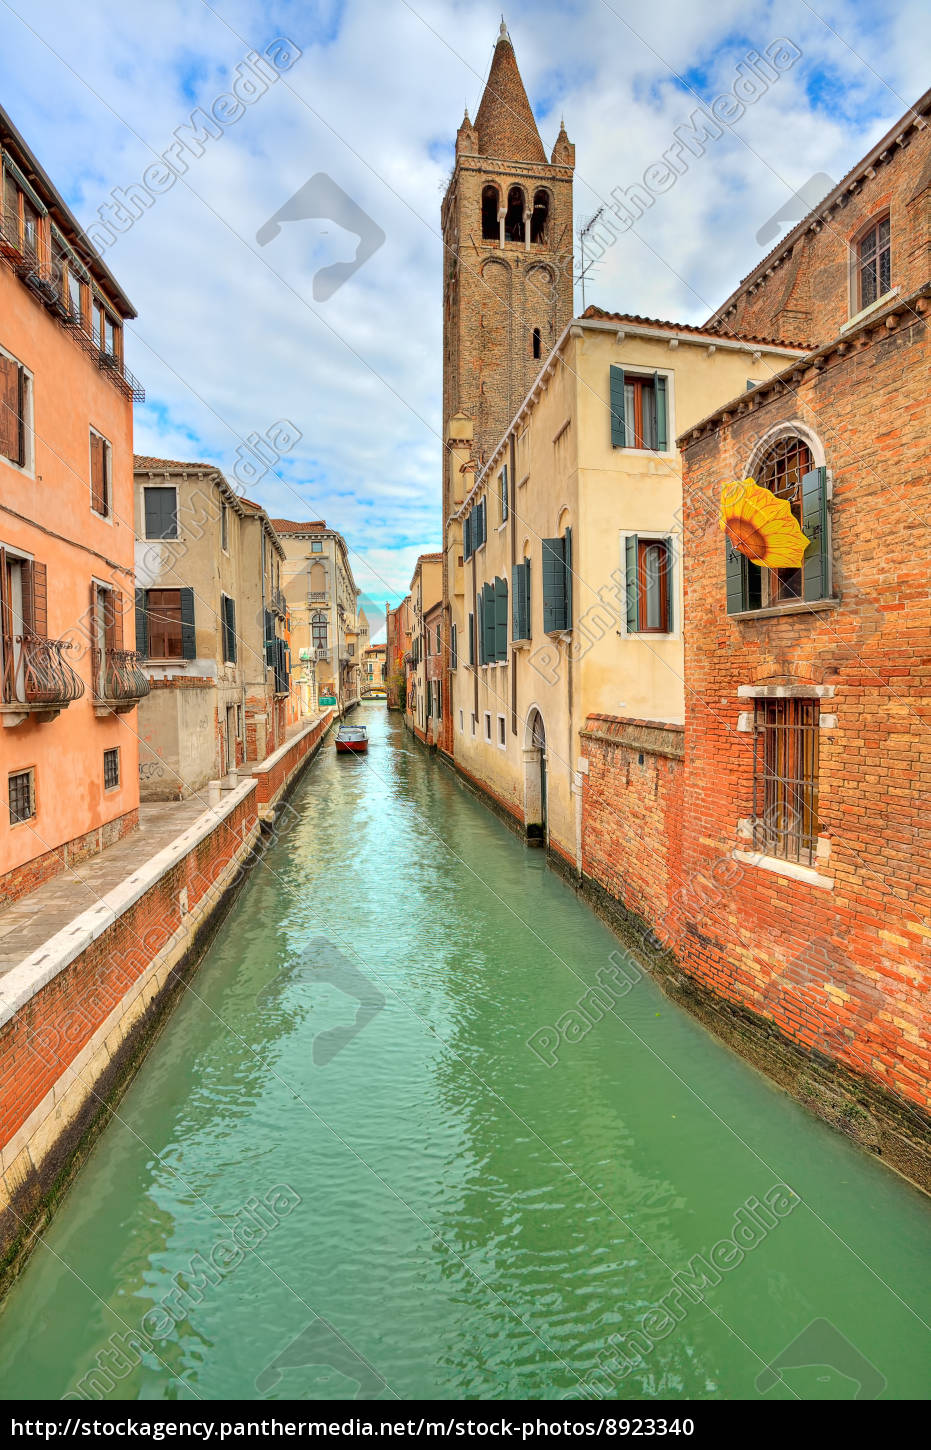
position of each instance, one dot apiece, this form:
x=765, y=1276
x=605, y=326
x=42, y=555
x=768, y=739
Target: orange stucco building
x=68, y=677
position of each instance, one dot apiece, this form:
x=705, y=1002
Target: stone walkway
x=28, y=923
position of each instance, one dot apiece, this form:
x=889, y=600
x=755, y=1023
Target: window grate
x=785, y=779
x=111, y=768
x=22, y=797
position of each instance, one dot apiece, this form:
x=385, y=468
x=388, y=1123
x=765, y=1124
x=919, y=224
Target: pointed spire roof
x=505, y=124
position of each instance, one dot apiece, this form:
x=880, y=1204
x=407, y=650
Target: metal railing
x=35, y=672
x=45, y=279
x=278, y=602
x=120, y=678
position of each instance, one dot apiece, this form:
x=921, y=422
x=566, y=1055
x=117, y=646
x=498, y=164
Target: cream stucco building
x=564, y=556
x=327, y=630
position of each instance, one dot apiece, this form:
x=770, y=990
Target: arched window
x=489, y=214
x=781, y=470
x=318, y=630
x=514, y=216
x=539, y=218
x=537, y=343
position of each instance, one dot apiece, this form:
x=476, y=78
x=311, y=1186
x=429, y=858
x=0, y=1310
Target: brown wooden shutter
x=98, y=474
x=11, y=442
x=38, y=581
x=113, y=600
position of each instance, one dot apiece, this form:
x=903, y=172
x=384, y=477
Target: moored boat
x=352, y=740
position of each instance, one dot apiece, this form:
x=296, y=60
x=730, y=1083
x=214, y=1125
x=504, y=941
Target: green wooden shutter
x=269, y=638
x=520, y=597
x=815, y=568
x=465, y=537
x=735, y=570
x=504, y=493
x=659, y=393
x=483, y=530
x=188, y=637
x=142, y=623
x=616, y=394
x=488, y=623
x=554, y=586
x=501, y=618
x=471, y=639
x=630, y=576
x=567, y=565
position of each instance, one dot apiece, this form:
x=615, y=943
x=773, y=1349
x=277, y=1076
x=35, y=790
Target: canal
x=344, y=1148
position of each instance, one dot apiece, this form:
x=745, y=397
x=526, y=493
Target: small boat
x=352, y=740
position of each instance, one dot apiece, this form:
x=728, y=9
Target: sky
x=337, y=374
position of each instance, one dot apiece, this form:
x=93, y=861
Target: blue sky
x=230, y=337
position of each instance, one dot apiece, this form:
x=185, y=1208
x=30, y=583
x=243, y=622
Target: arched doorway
x=535, y=779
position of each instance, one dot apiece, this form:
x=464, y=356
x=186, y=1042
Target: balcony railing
x=121, y=683
x=46, y=281
x=36, y=676
x=278, y=602
x=318, y=596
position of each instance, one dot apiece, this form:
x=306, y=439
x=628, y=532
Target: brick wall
x=842, y=969
x=19, y=882
x=807, y=289
x=632, y=816
x=274, y=778
x=44, y=1037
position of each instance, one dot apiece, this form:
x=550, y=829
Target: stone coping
x=278, y=755
x=655, y=737
x=35, y=971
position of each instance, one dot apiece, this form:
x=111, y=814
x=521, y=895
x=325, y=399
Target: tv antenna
x=583, y=233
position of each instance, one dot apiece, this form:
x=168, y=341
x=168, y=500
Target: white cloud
x=229, y=336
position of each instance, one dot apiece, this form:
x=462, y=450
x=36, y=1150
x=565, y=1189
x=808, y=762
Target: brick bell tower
x=507, y=289
x=507, y=256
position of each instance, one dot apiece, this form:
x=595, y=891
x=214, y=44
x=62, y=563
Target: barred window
x=785, y=778
x=22, y=797
x=111, y=768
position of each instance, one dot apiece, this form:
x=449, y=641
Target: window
x=228, y=621
x=638, y=410
x=318, y=630
x=165, y=624
x=557, y=584
x=648, y=566
x=111, y=768
x=785, y=778
x=520, y=600
x=15, y=385
x=538, y=221
x=316, y=546
x=502, y=732
x=101, y=483
x=471, y=639
x=461, y=722
x=488, y=725
x=503, y=504
x=474, y=532
x=490, y=229
x=22, y=797
x=23, y=615
x=224, y=528
x=106, y=330
x=474, y=720
x=874, y=263
x=161, y=513
x=454, y=647
x=350, y=650
x=537, y=342
x=514, y=216
x=787, y=470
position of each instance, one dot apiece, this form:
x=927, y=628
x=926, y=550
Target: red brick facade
x=632, y=816
x=807, y=287
x=844, y=971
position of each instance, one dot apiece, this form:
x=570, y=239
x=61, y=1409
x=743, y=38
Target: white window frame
x=672, y=540
x=28, y=468
x=670, y=450
x=502, y=731
x=487, y=725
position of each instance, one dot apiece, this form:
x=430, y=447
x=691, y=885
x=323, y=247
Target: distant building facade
x=322, y=597
x=426, y=594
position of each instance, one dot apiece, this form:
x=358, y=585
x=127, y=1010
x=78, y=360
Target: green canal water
x=446, y=1214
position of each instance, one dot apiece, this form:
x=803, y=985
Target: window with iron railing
x=22, y=794
x=785, y=778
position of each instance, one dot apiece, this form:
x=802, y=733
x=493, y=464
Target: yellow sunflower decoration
x=761, y=525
